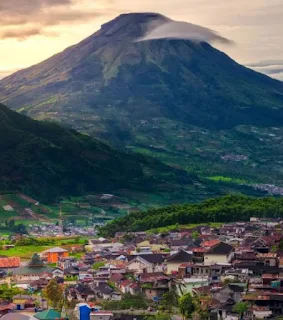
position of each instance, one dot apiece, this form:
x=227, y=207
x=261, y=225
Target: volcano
x=179, y=100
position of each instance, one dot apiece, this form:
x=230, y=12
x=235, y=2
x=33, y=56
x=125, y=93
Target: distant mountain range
x=181, y=101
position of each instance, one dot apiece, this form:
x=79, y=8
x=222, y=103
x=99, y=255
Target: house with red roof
x=125, y=286
x=209, y=243
x=9, y=262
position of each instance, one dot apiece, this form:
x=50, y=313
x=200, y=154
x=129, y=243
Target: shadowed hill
x=49, y=161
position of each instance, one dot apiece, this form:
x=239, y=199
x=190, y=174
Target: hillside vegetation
x=47, y=161
x=224, y=209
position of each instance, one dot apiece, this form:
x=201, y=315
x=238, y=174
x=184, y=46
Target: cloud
x=266, y=63
x=72, y=16
x=22, y=34
x=171, y=29
x=36, y=17
x=29, y=6
x=273, y=68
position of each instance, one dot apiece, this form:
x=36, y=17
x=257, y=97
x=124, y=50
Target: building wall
x=189, y=286
x=211, y=259
x=172, y=267
x=53, y=257
x=138, y=266
x=224, y=294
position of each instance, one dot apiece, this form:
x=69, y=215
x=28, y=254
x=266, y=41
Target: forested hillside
x=47, y=161
x=224, y=209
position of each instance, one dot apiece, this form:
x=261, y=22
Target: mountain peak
x=134, y=25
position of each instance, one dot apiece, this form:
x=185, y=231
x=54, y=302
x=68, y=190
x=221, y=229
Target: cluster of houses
x=48, y=229
x=239, y=262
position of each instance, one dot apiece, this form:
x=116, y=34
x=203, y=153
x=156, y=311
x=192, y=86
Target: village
x=233, y=271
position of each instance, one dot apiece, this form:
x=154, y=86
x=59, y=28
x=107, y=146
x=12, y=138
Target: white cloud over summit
x=182, y=30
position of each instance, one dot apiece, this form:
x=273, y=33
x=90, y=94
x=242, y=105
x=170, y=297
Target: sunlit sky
x=33, y=30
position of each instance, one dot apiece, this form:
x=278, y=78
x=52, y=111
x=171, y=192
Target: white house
x=221, y=253
x=146, y=263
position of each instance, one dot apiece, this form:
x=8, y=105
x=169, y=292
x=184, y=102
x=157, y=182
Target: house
x=174, y=261
x=221, y=253
x=209, y=243
x=15, y=316
x=230, y=291
x=35, y=270
x=134, y=289
x=154, y=285
x=39, y=284
x=116, y=278
x=146, y=263
x=54, y=255
x=269, y=259
x=49, y=314
x=85, y=276
x=143, y=247
x=100, y=246
x=9, y=262
x=81, y=292
x=71, y=272
x=6, y=308
x=101, y=315
x=225, y=310
x=22, y=301
x=103, y=291
x=268, y=301
x=65, y=263
x=125, y=286
x=182, y=244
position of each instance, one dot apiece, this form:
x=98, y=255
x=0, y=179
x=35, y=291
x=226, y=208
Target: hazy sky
x=33, y=30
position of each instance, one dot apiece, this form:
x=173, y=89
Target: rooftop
x=11, y=262
x=220, y=249
x=55, y=250
x=181, y=256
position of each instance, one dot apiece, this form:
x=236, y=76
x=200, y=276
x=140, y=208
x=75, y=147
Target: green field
x=24, y=252
x=82, y=211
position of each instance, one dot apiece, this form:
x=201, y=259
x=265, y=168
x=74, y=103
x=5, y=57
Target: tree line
x=229, y=208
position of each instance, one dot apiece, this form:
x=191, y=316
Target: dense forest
x=224, y=209
x=47, y=161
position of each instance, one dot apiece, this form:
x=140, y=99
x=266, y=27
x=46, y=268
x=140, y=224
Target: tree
x=186, y=305
x=7, y=294
x=195, y=235
x=11, y=223
x=241, y=308
x=159, y=316
x=200, y=313
x=98, y=264
x=169, y=300
x=54, y=294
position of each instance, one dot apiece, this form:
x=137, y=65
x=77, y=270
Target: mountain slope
x=48, y=161
x=178, y=100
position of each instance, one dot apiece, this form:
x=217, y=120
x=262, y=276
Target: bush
x=137, y=302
